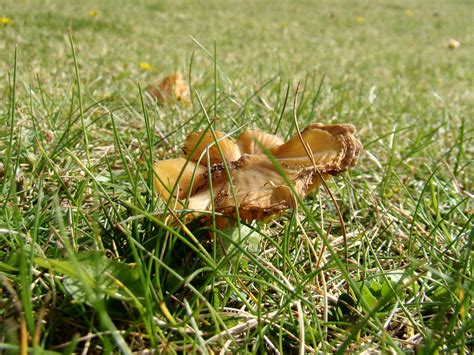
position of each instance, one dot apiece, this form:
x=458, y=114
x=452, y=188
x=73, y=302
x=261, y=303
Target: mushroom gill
x=251, y=183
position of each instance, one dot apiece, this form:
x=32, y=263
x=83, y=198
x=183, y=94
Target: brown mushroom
x=171, y=89
x=255, y=188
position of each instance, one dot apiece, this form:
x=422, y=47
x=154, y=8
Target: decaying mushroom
x=171, y=89
x=249, y=180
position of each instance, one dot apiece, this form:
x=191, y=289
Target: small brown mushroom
x=256, y=188
x=171, y=89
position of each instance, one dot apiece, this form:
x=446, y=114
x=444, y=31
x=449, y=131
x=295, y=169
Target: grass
x=89, y=261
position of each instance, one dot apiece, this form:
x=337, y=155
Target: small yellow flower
x=145, y=66
x=453, y=44
x=408, y=12
x=360, y=20
x=93, y=13
x=6, y=21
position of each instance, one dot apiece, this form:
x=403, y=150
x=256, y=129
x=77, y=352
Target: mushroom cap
x=197, y=143
x=171, y=88
x=252, y=141
x=249, y=181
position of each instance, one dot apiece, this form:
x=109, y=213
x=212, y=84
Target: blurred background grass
x=358, y=44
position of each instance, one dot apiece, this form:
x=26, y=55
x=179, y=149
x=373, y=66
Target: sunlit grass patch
x=91, y=259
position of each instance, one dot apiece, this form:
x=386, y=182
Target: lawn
x=93, y=260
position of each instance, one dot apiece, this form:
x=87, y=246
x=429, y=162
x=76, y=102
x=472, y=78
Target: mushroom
x=171, y=89
x=249, y=180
